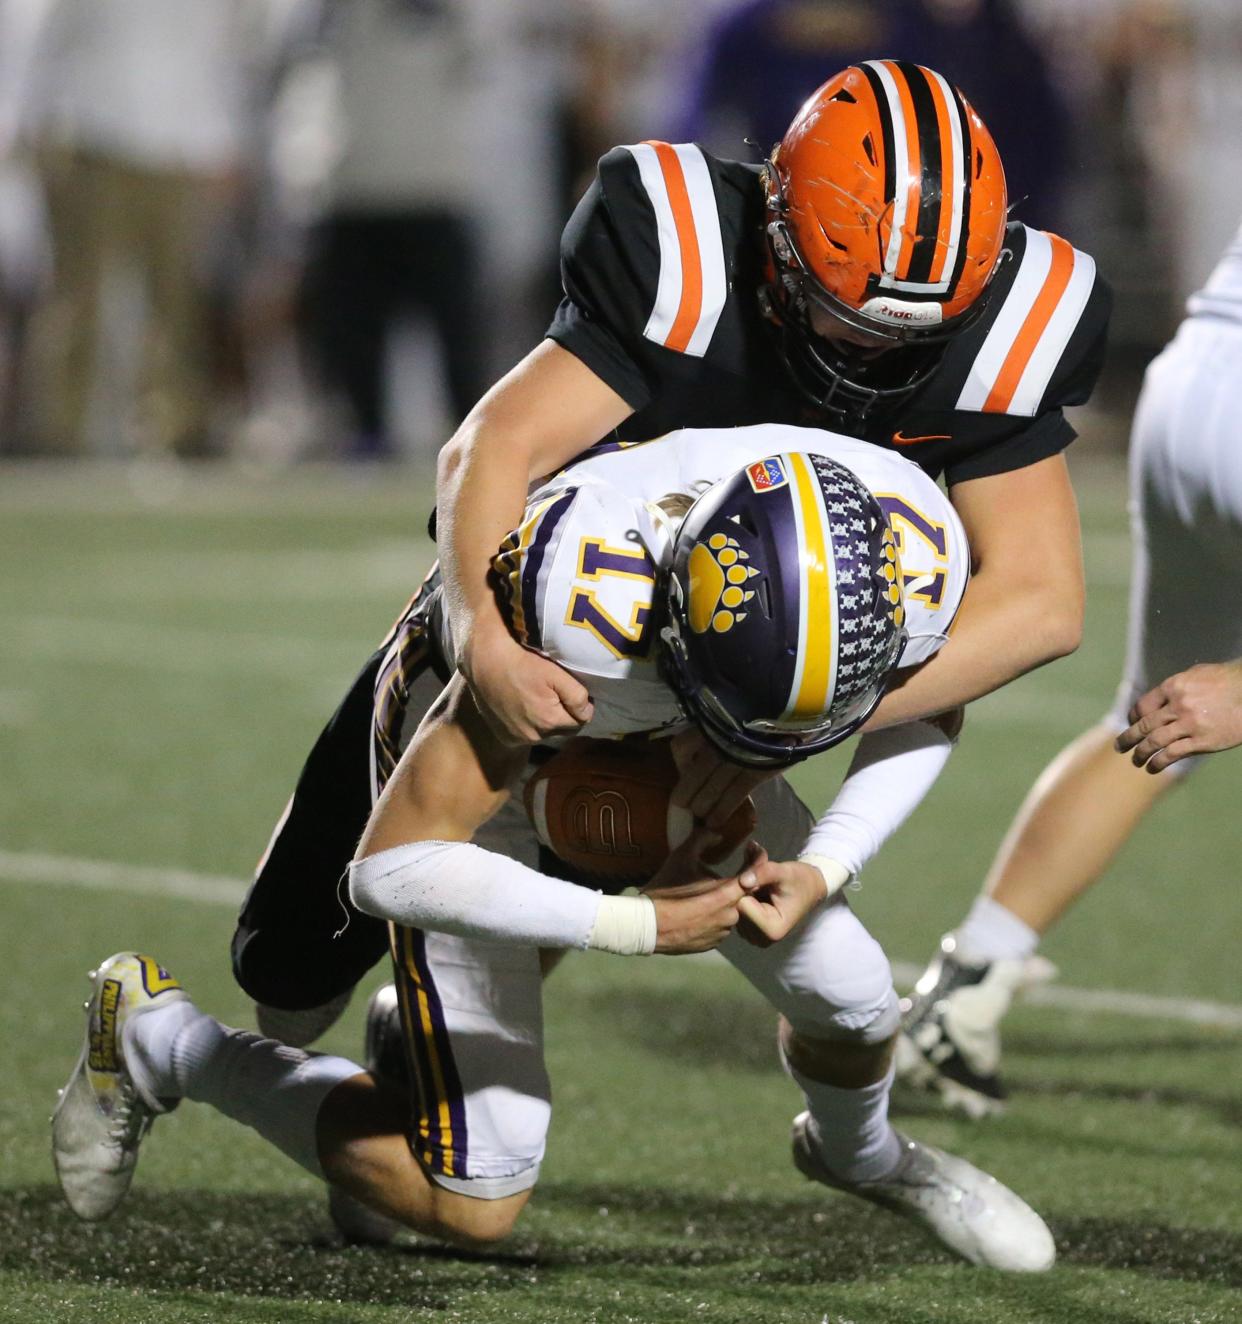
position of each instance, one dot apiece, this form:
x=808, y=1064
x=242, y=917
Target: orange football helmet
x=885, y=213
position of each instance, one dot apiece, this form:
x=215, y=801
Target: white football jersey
x=577, y=580
x=1222, y=295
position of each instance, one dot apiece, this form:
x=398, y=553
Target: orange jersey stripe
x=948, y=183
x=914, y=163
x=688, y=241
x=1059, y=271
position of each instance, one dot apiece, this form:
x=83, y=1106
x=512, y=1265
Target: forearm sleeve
x=456, y=887
x=892, y=770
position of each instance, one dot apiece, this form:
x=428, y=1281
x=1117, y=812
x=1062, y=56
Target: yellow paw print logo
x=717, y=577
x=891, y=571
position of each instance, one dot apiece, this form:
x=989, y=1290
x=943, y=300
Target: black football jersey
x=662, y=262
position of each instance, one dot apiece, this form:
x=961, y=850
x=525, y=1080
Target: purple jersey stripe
x=427, y=1140
x=533, y=563
x=454, y=1094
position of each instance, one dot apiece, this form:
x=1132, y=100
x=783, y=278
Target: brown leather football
x=605, y=807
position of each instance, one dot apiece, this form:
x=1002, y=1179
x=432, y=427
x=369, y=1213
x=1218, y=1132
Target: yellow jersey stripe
x=396, y=941
x=429, y=1038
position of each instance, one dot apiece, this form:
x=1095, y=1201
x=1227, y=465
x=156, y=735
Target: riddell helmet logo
x=766, y=475
x=902, y=311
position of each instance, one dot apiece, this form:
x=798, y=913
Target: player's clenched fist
x=523, y=696
x=695, y=917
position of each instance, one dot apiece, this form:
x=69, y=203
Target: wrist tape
x=836, y=875
x=625, y=925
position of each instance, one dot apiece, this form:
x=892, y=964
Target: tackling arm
x=1024, y=605
x=548, y=409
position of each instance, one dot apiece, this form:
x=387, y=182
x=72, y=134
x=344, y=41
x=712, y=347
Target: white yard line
x=1118, y=1001
x=105, y=876
x=19, y=867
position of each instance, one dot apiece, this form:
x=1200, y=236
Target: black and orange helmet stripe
x=968, y=173
x=926, y=140
x=934, y=174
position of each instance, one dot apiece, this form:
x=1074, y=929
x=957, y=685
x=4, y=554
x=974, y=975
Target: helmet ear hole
x=869, y=148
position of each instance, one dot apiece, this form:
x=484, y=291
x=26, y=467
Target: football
x=605, y=808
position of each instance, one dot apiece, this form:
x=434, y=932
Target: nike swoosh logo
x=899, y=439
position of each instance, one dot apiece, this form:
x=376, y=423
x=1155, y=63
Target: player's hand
x=709, y=786
x=776, y=896
x=523, y=696
x=695, y=910
x=1198, y=711
x=695, y=917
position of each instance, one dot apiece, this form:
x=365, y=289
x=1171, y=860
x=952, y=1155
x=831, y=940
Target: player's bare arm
x=454, y=776
x=1024, y=605
x=1197, y=711
x=545, y=411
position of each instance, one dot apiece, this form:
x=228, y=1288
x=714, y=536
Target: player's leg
x=300, y=945
x=1089, y=800
x=148, y=1047
x=832, y=985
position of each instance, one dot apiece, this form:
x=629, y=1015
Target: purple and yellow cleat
x=101, y=1116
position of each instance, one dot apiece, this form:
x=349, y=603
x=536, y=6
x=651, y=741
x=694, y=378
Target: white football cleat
x=965, y=1209
x=300, y=1029
x=950, y=1043
x=101, y=1118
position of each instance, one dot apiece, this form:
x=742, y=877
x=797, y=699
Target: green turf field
x=170, y=647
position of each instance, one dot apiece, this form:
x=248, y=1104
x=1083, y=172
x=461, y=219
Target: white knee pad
x=830, y=979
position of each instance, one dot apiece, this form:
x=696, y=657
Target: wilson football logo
x=599, y=823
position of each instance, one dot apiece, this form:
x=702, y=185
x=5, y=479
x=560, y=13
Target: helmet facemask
x=885, y=223
x=851, y=381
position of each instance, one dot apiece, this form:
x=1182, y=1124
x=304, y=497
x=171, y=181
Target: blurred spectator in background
x=400, y=230
x=24, y=259
x=137, y=112
x=762, y=58
x=984, y=46
x=188, y=158
x=1182, y=88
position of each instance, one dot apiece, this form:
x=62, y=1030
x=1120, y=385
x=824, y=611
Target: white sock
x=851, y=1128
x=180, y=1052
x=990, y=932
